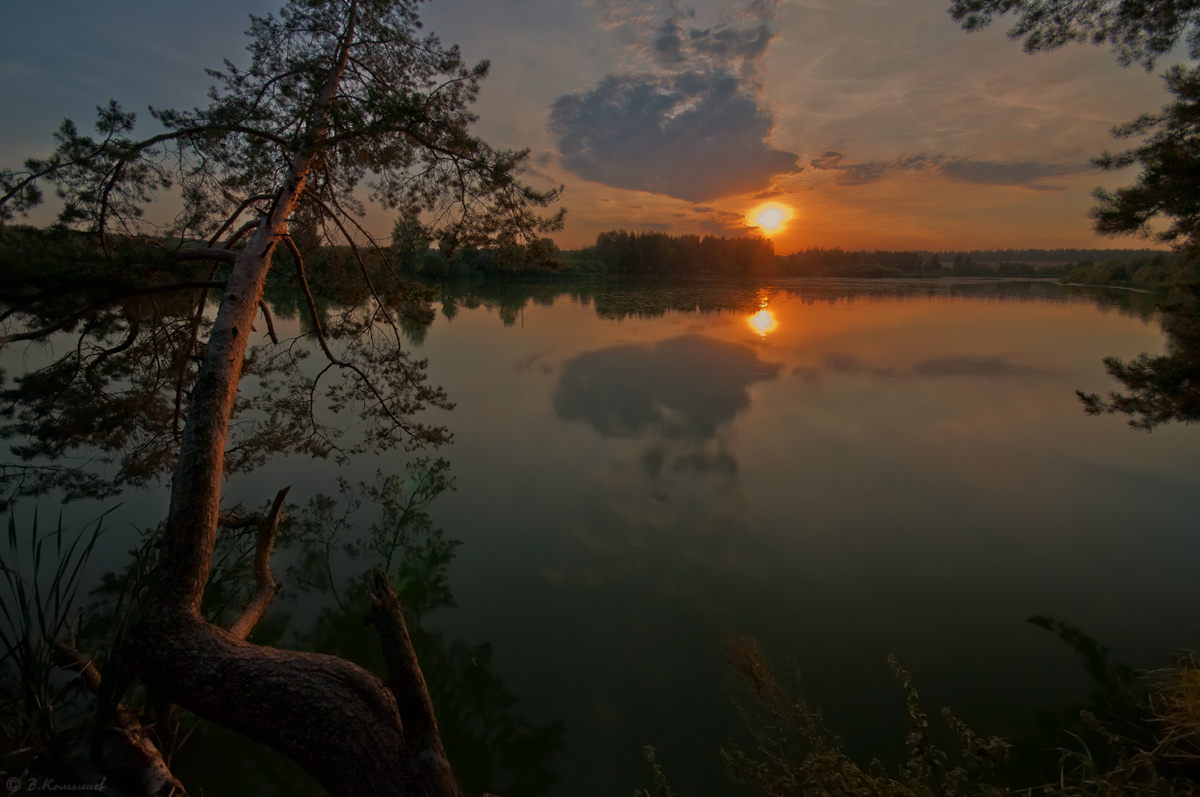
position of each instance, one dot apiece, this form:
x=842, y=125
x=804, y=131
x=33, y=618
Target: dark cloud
x=670, y=35
x=838, y=363
x=868, y=172
x=720, y=222
x=683, y=388
x=726, y=46
x=694, y=136
x=660, y=459
x=1026, y=174
x=691, y=124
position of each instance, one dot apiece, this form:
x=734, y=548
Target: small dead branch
x=266, y=311
x=267, y=589
x=315, y=316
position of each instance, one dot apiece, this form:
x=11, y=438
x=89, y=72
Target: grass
x=794, y=754
x=1175, y=709
x=40, y=581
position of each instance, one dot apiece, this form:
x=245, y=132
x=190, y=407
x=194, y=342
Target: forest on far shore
x=657, y=254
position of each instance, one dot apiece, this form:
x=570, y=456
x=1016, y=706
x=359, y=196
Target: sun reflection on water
x=763, y=322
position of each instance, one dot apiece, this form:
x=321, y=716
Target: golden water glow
x=763, y=321
x=770, y=217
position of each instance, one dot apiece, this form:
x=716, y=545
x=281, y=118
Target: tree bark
x=335, y=719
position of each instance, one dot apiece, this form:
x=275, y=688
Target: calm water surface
x=864, y=469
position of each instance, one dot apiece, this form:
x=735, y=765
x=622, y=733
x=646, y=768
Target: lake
x=841, y=470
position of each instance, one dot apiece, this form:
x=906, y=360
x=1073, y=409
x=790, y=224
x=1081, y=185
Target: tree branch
x=362, y=266
x=237, y=236
x=266, y=311
x=33, y=177
x=267, y=589
x=329, y=355
x=138, y=147
x=212, y=242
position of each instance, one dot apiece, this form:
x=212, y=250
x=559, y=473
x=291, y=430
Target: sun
x=770, y=217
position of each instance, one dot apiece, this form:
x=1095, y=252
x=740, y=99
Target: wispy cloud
x=720, y=222
x=1025, y=174
x=980, y=367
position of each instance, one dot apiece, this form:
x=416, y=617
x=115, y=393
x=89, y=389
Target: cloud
x=689, y=122
x=838, y=363
x=721, y=47
x=625, y=13
x=1025, y=174
x=1028, y=174
x=868, y=172
x=721, y=222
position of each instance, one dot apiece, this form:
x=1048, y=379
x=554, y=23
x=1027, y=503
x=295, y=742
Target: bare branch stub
x=266, y=588
x=266, y=311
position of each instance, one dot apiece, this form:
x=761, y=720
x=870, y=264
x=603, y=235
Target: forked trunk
x=338, y=721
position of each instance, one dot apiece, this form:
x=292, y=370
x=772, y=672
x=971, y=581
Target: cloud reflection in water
x=682, y=388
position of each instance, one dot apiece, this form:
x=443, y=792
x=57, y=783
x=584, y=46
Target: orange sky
x=909, y=132
x=881, y=124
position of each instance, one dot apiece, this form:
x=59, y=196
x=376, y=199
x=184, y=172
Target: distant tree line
x=817, y=262
x=1158, y=271
x=1052, y=255
x=658, y=254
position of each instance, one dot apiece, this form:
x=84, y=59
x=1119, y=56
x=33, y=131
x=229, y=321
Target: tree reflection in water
x=98, y=401
x=323, y=608
x=1160, y=388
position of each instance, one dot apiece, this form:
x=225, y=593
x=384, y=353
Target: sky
x=873, y=124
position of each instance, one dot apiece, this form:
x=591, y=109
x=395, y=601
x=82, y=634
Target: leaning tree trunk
x=354, y=733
